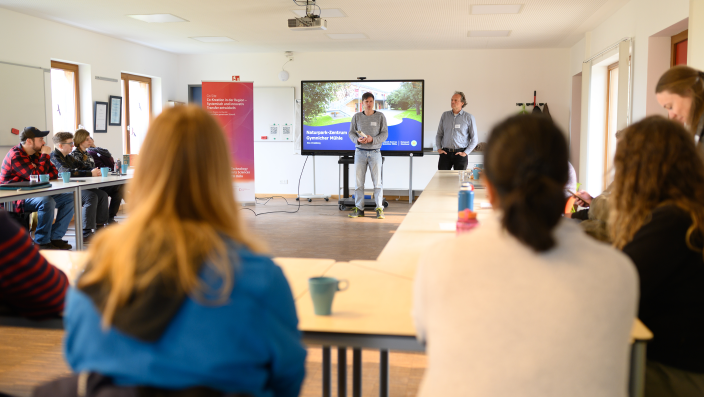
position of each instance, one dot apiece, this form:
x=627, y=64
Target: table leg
x=383, y=373
x=77, y=221
x=327, y=390
x=357, y=373
x=342, y=371
x=637, y=369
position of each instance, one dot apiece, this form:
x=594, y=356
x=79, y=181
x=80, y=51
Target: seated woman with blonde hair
x=179, y=295
x=657, y=219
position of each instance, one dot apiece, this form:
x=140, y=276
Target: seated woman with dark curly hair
x=657, y=219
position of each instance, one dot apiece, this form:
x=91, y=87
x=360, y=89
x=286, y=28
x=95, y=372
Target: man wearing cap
x=457, y=135
x=32, y=157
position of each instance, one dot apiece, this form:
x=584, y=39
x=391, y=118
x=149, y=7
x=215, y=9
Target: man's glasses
x=66, y=143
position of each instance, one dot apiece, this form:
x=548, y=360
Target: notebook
x=25, y=185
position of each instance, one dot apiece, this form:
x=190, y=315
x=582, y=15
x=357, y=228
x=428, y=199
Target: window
x=679, y=49
x=137, y=102
x=66, y=113
x=611, y=122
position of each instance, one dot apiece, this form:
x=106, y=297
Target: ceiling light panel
x=484, y=9
x=347, y=36
x=489, y=33
x=158, y=18
x=213, y=39
x=325, y=13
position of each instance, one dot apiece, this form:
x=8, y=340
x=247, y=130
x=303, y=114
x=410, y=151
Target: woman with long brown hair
x=657, y=219
x=179, y=295
x=680, y=91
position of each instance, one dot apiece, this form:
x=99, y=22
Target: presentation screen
x=328, y=106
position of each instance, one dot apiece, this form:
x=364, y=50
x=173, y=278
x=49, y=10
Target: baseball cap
x=32, y=132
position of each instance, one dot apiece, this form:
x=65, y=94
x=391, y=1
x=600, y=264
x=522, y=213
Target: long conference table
x=375, y=311
x=74, y=186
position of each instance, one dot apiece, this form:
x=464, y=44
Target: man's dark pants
x=453, y=161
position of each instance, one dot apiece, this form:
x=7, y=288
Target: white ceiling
x=261, y=25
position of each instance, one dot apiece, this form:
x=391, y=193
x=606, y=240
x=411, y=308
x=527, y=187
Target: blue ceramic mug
x=104, y=171
x=323, y=290
x=44, y=178
x=124, y=168
x=66, y=176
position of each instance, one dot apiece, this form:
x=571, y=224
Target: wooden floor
x=314, y=230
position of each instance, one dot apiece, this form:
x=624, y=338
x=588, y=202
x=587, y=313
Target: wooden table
x=374, y=312
x=370, y=319
x=71, y=263
x=298, y=270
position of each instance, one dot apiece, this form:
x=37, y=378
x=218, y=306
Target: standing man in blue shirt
x=373, y=127
x=457, y=135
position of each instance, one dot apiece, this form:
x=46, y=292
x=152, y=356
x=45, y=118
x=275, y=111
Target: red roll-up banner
x=231, y=103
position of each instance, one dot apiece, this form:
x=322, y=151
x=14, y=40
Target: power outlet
x=283, y=182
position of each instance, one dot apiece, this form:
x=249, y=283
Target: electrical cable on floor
x=296, y=205
x=298, y=193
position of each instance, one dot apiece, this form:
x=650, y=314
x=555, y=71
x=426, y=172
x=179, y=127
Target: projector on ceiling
x=308, y=23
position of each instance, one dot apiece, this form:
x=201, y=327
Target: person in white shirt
x=529, y=305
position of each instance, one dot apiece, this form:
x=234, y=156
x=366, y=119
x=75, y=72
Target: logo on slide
x=413, y=143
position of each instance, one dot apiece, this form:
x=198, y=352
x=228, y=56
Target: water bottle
x=118, y=167
x=466, y=197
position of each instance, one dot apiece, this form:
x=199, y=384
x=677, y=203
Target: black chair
x=97, y=385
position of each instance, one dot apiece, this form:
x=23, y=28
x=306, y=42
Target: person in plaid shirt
x=95, y=201
x=31, y=157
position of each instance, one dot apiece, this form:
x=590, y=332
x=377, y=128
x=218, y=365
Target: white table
x=74, y=186
x=381, y=322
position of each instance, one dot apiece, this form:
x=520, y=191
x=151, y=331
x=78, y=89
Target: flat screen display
x=327, y=108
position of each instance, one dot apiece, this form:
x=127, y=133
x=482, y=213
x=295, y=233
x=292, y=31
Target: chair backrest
x=93, y=384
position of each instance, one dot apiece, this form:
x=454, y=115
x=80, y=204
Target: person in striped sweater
x=29, y=285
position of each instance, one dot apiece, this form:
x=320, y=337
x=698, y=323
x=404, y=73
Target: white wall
x=638, y=19
x=493, y=81
x=659, y=61
x=696, y=42
x=34, y=41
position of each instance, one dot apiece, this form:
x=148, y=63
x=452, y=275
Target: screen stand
x=310, y=196
x=411, y=172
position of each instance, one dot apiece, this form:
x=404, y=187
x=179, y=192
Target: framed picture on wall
x=100, y=116
x=115, y=106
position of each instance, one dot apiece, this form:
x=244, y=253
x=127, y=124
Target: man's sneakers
x=356, y=213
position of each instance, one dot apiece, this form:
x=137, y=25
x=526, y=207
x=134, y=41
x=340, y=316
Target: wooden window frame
x=675, y=40
x=76, y=97
x=126, y=77
x=610, y=68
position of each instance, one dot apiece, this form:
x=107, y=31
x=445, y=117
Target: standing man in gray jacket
x=368, y=129
x=457, y=135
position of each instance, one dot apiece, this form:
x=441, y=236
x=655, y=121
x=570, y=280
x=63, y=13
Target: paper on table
x=485, y=205
x=447, y=226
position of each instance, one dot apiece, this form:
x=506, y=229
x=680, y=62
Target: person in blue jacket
x=180, y=296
